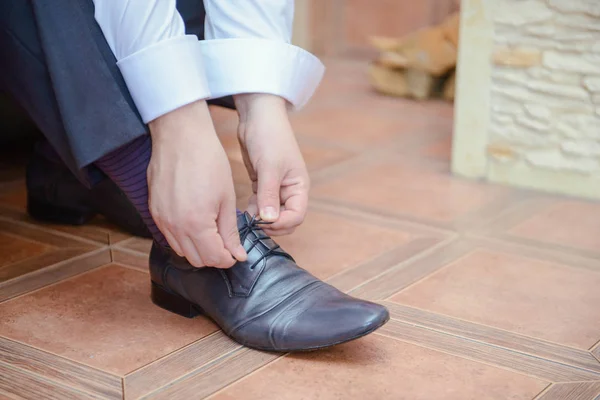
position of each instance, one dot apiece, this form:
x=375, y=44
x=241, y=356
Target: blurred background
x=454, y=155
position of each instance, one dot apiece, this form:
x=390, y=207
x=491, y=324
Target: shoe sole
x=176, y=304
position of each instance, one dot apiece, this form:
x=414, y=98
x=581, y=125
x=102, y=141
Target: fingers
x=209, y=245
x=252, y=205
x=190, y=252
x=269, y=183
x=227, y=227
x=203, y=245
x=172, y=241
x=293, y=211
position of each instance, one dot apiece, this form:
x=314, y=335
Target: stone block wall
x=539, y=77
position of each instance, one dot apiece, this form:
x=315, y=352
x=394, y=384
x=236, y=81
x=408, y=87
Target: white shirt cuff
x=235, y=66
x=165, y=76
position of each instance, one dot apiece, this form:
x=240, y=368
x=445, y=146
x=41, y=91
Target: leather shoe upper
x=267, y=302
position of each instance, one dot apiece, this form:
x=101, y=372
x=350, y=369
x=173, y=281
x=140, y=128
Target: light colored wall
x=528, y=95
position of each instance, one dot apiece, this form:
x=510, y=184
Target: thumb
x=267, y=194
x=227, y=227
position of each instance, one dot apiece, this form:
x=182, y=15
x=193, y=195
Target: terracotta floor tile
x=345, y=70
x=569, y=223
x=13, y=161
x=347, y=127
x=104, y=319
x=433, y=111
x=315, y=156
x=547, y=301
x=320, y=157
x=14, y=249
x=441, y=149
x=381, y=368
x=395, y=188
x=327, y=244
x=334, y=91
x=224, y=119
x=16, y=198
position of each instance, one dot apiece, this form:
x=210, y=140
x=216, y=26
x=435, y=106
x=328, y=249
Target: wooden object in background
x=417, y=65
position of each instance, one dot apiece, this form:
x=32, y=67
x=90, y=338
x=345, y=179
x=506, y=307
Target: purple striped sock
x=127, y=167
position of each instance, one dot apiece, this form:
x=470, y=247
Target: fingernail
x=268, y=214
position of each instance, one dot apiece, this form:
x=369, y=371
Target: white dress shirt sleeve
x=247, y=50
x=160, y=64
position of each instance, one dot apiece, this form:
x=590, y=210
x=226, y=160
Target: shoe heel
x=172, y=302
x=46, y=212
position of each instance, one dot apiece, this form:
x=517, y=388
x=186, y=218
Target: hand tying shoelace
x=251, y=227
x=267, y=302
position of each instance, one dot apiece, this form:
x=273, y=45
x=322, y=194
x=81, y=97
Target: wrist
x=193, y=118
x=250, y=105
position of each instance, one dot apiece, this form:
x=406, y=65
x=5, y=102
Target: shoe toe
x=326, y=319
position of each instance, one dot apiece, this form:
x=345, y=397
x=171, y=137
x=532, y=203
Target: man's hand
x=275, y=165
x=192, y=199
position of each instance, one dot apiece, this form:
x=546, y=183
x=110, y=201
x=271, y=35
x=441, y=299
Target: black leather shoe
x=55, y=195
x=267, y=302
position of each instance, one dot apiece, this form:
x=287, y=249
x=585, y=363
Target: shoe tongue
x=243, y=218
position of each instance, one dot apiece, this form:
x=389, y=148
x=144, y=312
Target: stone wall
x=543, y=87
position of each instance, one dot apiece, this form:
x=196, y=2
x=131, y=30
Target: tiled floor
x=494, y=292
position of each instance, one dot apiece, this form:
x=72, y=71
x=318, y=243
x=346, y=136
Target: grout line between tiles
x=26, y=239
x=419, y=256
x=257, y=370
x=197, y=371
x=437, y=270
x=181, y=349
x=543, y=392
x=3, y=393
x=61, y=356
x=368, y=261
x=500, y=244
x=129, y=251
x=385, y=221
x=53, y=232
x=48, y=381
x=440, y=330
x=406, y=218
x=499, y=347
x=54, y=267
x=124, y=242
x=537, y=244
x=460, y=355
x=475, y=323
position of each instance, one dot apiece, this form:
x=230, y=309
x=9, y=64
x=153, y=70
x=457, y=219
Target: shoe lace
x=256, y=225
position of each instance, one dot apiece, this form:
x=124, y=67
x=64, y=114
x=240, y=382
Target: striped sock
x=126, y=167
